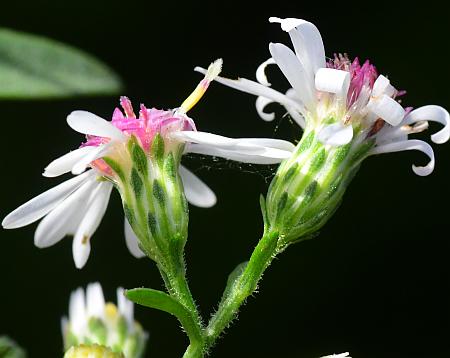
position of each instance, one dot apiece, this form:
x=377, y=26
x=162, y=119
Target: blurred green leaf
x=37, y=67
x=10, y=349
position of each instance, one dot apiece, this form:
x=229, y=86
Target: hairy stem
x=243, y=287
x=194, y=351
x=174, y=276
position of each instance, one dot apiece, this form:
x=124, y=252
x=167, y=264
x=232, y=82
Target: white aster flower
x=77, y=206
x=92, y=321
x=341, y=100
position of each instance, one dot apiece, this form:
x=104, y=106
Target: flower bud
x=153, y=196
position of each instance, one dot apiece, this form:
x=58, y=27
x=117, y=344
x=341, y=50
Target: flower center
x=361, y=76
x=144, y=127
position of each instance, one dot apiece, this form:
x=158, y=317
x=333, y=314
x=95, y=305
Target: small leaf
x=232, y=278
x=33, y=66
x=162, y=301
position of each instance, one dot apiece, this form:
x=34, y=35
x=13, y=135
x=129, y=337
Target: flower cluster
x=347, y=110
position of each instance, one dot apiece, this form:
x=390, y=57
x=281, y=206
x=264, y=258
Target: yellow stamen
x=213, y=71
x=110, y=310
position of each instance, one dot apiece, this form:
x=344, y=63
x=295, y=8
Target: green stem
x=177, y=285
x=245, y=285
x=174, y=277
x=194, y=351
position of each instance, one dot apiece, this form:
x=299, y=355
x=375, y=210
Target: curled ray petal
x=268, y=156
x=387, y=109
x=131, y=241
x=271, y=143
x=261, y=72
x=333, y=81
x=257, y=89
x=65, y=163
x=295, y=73
x=307, y=41
x=196, y=191
x=42, y=204
x=92, y=217
x=261, y=103
x=89, y=123
x=435, y=114
x=100, y=151
x=77, y=311
x=391, y=134
x=297, y=117
x=336, y=134
x=412, y=144
x=95, y=301
x=381, y=86
x=59, y=222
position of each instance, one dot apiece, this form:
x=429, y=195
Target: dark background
x=375, y=282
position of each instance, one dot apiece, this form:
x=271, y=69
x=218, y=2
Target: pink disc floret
x=360, y=76
x=147, y=125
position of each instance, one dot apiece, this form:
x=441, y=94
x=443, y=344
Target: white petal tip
x=422, y=171
x=81, y=253
x=78, y=170
x=209, y=202
x=287, y=24
x=40, y=243
x=200, y=69
x=49, y=174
